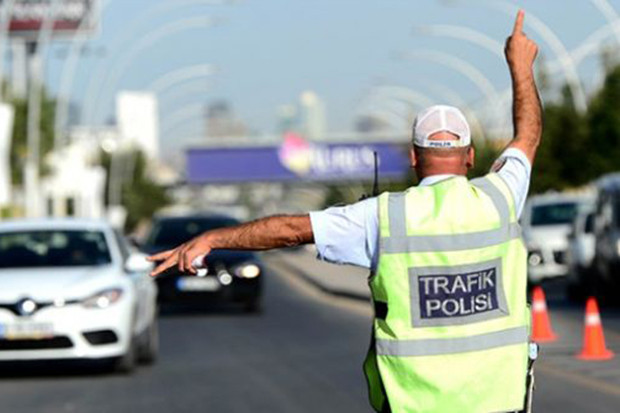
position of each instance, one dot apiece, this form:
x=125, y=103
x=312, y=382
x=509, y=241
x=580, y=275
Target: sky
x=266, y=52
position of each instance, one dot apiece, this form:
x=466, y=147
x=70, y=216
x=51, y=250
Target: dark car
x=232, y=276
x=607, y=234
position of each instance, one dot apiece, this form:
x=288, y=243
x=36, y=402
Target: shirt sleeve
x=515, y=169
x=348, y=234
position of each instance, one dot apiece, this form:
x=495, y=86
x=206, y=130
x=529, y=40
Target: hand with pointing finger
x=185, y=257
x=520, y=51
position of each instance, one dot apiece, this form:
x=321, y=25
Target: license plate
x=26, y=331
x=198, y=284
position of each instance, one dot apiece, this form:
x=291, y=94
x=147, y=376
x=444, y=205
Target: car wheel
x=149, y=345
x=127, y=362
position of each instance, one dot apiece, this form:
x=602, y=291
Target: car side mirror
x=137, y=263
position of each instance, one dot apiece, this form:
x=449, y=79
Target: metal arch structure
x=447, y=94
x=190, y=88
x=470, y=35
x=556, y=45
x=179, y=116
x=589, y=45
x=403, y=94
x=70, y=66
x=390, y=117
x=172, y=78
x=386, y=93
x=66, y=82
x=129, y=31
x=464, y=33
x=179, y=76
x=112, y=77
x=467, y=70
x=610, y=14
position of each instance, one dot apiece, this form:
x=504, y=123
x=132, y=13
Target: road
x=302, y=354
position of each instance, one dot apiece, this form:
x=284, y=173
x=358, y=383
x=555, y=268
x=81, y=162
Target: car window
x=589, y=225
x=175, y=231
x=73, y=248
x=554, y=214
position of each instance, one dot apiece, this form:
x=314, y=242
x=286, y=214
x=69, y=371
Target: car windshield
x=554, y=214
x=175, y=231
x=74, y=248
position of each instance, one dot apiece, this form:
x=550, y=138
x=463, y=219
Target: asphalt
x=303, y=353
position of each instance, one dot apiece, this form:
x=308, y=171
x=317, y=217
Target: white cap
x=441, y=118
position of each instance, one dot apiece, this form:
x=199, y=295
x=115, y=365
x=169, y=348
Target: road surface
x=302, y=354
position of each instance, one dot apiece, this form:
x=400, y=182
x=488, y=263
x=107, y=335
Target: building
x=138, y=121
x=75, y=186
x=312, y=122
x=222, y=122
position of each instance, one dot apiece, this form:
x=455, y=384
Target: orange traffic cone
x=594, y=340
x=541, y=326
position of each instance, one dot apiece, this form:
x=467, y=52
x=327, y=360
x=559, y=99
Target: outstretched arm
x=262, y=234
x=526, y=107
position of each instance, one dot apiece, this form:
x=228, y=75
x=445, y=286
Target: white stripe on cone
x=593, y=320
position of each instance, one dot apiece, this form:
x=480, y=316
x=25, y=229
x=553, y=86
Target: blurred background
x=129, y=126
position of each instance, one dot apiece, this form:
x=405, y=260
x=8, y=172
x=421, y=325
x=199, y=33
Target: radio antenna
x=375, y=187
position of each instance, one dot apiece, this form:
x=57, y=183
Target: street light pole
x=35, y=69
x=31, y=167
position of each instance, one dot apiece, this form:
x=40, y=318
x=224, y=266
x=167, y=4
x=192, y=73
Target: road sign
x=26, y=17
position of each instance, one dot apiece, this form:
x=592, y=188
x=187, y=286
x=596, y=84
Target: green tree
x=141, y=197
x=603, y=150
x=19, y=141
x=563, y=149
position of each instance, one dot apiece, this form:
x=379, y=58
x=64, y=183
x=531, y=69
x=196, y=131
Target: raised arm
x=262, y=234
x=526, y=107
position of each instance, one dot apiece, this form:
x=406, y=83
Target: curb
x=322, y=287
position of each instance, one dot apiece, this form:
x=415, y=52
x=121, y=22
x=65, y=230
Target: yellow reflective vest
x=451, y=326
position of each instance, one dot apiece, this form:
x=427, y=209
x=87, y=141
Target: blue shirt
x=350, y=234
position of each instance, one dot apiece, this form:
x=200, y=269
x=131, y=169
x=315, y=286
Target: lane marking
x=579, y=379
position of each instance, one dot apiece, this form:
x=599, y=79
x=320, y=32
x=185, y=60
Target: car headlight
x=247, y=271
x=534, y=259
x=103, y=299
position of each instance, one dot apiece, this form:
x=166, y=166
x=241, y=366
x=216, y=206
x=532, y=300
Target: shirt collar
x=433, y=179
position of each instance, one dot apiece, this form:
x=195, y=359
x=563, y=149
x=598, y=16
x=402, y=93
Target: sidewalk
x=342, y=280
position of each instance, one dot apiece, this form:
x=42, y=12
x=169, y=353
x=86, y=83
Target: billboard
x=26, y=17
x=296, y=160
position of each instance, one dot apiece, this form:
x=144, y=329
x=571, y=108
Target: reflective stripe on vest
x=398, y=241
x=434, y=347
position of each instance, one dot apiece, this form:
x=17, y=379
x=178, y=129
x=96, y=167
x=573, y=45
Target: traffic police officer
x=448, y=267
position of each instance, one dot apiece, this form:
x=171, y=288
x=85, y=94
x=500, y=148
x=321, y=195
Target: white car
x=580, y=254
x=546, y=223
x=72, y=289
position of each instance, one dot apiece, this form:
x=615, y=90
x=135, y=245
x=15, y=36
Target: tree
x=140, y=196
x=563, y=147
x=604, y=126
x=19, y=140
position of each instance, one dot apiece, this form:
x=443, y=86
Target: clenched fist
x=520, y=51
